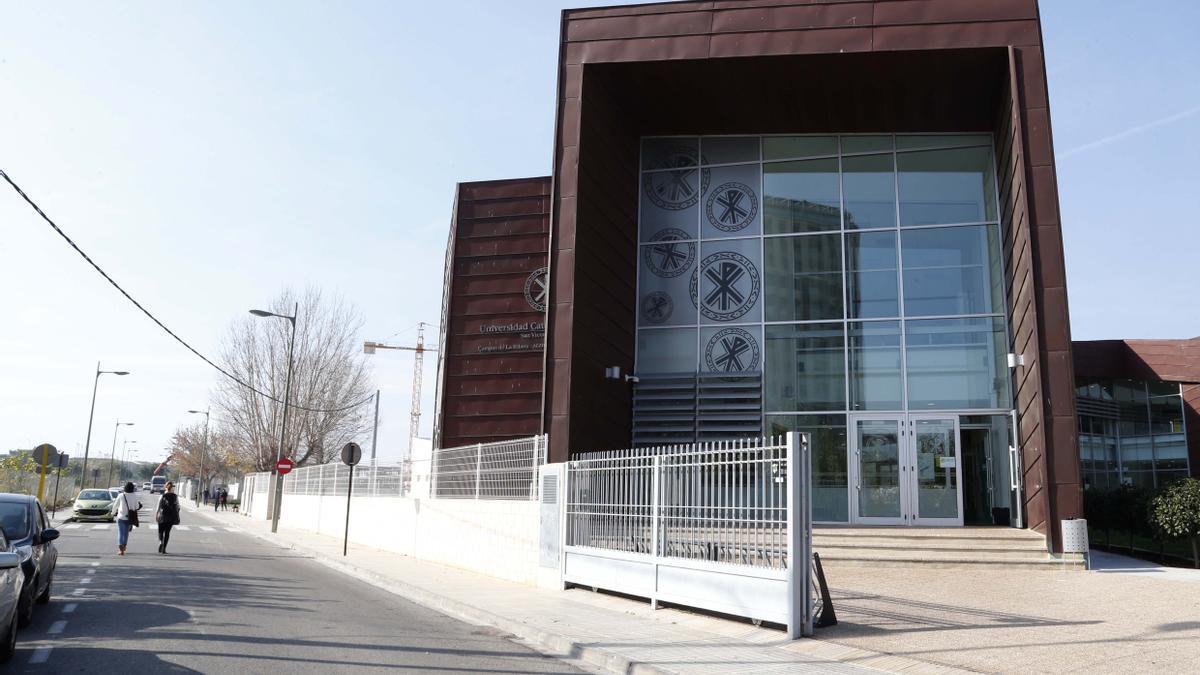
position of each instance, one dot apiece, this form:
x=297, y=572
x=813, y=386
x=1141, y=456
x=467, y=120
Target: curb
x=547, y=643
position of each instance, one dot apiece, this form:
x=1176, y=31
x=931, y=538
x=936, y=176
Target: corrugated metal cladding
x=780, y=66
x=494, y=312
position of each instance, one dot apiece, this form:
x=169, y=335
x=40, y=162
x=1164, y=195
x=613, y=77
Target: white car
x=146, y=486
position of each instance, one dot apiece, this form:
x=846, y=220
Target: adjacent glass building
x=846, y=285
x=1131, y=432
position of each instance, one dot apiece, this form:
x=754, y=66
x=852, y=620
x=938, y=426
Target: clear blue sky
x=208, y=154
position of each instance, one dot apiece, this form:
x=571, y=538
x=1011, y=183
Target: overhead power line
x=160, y=324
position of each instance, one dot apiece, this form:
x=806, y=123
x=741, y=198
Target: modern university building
x=837, y=217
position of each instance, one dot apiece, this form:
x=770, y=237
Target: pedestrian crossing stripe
x=183, y=528
x=102, y=526
x=208, y=529
x=72, y=526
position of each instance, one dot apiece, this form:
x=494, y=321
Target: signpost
x=284, y=466
x=44, y=454
x=63, y=459
x=351, y=455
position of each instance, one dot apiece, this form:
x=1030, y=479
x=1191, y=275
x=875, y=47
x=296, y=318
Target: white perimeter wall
x=494, y=537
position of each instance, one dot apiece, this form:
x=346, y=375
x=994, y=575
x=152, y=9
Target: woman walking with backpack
x=167, y=515
x=126, y=507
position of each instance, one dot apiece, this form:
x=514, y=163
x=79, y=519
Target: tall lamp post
x=203, y=453
x=112, y=455
x=88, y=445
x=287, y=390
x=125, y=452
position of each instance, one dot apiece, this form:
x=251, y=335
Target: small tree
x=1175, y=513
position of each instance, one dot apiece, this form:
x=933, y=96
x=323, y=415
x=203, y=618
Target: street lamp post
x=113, y=454
x=287, y=390
x=125, y=452
x=203, y=453
x=88, y=444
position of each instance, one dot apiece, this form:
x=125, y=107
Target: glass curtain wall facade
x=1131, y=432
x=853, y=274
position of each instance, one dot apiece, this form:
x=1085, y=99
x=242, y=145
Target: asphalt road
x=224, y=601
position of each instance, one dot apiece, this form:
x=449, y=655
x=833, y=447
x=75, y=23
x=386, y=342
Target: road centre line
x=40, y=655
x=57, y=627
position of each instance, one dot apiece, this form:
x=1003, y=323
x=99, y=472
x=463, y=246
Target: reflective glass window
x=951, y=270
x=869, y=191
x=668, y=350
x=728, y=149
x=665, y=272
x=669, y=153
x=729, y=288
x=806, y=367
x=799, y=147
x=925, y=141
x=860, y=144
x=732, y=205
x=872, y=278
x=801, y=196
x=827, y=441
x=947, y=186
x=956, y=363
x=804, y=277
x=875, y=366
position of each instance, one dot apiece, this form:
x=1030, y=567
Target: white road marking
x=184, y=528
x=91, y=571
x=102, y=526
x=57, y=627
x=208, y=529
x=232, y=529
x=86, y=580
x=71, y=526
x=40, y=655
x=78, y=591
x=95, y=564
x=70, y=607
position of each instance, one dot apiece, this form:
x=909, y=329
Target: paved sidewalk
x=606, y=632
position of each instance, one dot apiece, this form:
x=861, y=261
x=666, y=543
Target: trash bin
x=1075, y=538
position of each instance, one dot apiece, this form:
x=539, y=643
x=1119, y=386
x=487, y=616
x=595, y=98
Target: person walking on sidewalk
x=216, y=495
x=206, y=496
x=167, y=516
x=224, y=500
x=125, y=508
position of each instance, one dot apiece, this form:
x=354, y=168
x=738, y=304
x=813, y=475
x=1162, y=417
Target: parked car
x=28, y=530
x=12, y=581
x=94, y=504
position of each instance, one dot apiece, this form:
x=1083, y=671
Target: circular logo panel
x=675, y=189
x=537, y=288
x=731, y=207
x=657, y=307
x=729, y=286
x=668, y=256
x=732, y=350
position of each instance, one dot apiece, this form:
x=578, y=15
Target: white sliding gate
x=723, y=526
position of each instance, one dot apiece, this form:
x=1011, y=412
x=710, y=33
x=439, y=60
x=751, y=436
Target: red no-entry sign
x=284, y=466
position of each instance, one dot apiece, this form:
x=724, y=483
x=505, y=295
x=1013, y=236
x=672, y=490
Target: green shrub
x=1175, y=513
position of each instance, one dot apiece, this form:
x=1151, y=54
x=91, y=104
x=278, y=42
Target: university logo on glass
x=732, y=350
x=731, y=207
x=729, y=286
x=537, y=288
x=657, y=307
x=668, y=255
x=675, y=190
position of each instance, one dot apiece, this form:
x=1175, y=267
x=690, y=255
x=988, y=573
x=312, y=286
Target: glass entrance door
x=907, y=470
x=879, y=463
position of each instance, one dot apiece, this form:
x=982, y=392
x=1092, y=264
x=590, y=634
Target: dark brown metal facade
x=1152, y=360
x=493, y=332
x=777, y=66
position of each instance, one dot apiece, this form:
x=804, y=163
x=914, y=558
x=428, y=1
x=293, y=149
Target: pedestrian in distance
x=216, y=496
x=167, y=515
x=206, y=496
x=125, y=508
x=224, y=499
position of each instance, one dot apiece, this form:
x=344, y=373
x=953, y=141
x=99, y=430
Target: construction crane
x=414, y=413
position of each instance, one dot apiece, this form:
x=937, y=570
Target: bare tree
x=221, y=458
x=328, y=374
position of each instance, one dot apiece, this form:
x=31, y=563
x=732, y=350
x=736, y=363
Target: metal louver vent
x=550, y=489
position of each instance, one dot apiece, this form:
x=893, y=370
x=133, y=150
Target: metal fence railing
x=720, y=502
x=723, y=525
x=501, y=470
